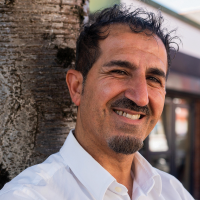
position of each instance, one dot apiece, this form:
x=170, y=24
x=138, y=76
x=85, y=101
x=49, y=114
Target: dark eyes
x=123, y=72
x=151, y=78
x=120, y=72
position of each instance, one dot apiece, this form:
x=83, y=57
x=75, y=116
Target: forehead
x=123, y=43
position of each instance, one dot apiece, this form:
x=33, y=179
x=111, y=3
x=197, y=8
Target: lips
x=127, y=115
x=128, y=104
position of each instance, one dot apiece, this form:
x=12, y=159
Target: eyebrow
x=157, y=71
x=120, y=63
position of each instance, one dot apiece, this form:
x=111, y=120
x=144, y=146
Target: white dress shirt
x=72, y=174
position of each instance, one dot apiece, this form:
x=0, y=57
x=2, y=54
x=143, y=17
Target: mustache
x=131, y=105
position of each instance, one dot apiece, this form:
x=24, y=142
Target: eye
x=151, y=78
x=118, y=71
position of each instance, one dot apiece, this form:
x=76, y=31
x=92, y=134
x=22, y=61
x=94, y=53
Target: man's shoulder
x=47, y=175
x=41, y=172
x=171, y=183
x=166, y=177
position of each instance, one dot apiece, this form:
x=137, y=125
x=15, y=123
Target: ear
x=74, y=81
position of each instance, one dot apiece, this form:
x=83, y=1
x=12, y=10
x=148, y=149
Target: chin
x=125, y=144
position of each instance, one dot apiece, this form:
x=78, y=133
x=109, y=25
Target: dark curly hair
x=139, y=20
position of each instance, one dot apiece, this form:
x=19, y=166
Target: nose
x=137, y=91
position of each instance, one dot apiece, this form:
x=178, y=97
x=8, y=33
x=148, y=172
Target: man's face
x=125, y=89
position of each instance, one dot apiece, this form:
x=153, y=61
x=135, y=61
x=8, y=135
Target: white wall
x=189, y=35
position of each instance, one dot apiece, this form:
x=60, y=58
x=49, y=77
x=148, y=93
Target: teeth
x=120, y=112
x=134, y=117
x=128, y=116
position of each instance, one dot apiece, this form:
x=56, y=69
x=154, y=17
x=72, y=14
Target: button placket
x=118, y=189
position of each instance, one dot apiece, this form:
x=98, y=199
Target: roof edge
x=172, y=13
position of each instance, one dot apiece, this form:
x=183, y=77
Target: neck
x=118, y=165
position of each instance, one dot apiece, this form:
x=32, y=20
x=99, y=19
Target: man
x=118, y=86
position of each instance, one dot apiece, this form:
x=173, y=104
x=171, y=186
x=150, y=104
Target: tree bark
x=37, y=47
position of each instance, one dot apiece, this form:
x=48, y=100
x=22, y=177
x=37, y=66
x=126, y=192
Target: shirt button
x=118, y=189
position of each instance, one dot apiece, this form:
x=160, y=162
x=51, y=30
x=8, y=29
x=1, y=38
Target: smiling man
x=122, y=63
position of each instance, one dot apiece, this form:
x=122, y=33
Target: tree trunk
x=37, y=46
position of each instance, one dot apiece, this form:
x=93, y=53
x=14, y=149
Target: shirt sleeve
x=184, y=194
x=15, y=195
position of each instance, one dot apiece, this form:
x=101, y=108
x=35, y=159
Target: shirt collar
x=145, y=176
x=88, y=171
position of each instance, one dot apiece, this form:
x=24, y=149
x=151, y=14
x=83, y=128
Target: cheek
x=156, y=101
x=109, y=90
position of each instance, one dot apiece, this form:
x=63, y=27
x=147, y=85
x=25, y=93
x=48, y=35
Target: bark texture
x=37, y=46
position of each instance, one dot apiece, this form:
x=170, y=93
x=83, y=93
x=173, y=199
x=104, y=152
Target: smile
x=129, y=116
